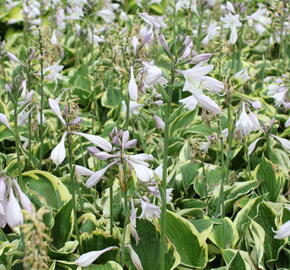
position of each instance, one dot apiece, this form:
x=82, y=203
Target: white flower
x=25, y=201
x=58, y=153
x=89, y=257
x=53, y=39
x=132, y=87
x=134, y=43
x=242, y=74
x=2, y=188
x=208, y=104
x=284, y=231
x=133, y=107
x=260, y=19
x=287, y=123
x=83, y=170
x=149, y=210
x=97, y=140
x=159, y=122
x=189, y=102
x=212, y=31
x=4, y=120
x=107, y=15
x=55, y=108
x=135, y=259
x=284, y=142
x=98, y=175
x=152, y=74
x=13, y=215
x=247, y=123
x=232, y=21
x=52, y=73
x=252, y=146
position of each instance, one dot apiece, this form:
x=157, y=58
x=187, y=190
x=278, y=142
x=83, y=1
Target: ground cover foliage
x=144, y=134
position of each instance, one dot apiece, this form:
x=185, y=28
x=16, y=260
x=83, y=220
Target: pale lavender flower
x=283, y=232
x=13, y=212
x=232, y=22
x=58, y=153
x=284, y=142
x=159, y=122
x=212, y=31
x=135, y=258
x=88, y=258
x=149, y=210
x=132, y=87
x=4, y=120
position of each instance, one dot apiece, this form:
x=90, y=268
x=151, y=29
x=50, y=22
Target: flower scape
x=144, y=134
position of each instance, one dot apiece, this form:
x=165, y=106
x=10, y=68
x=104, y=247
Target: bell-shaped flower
x=58, y=153
x=80, y=170
x=134, y=43
x=212, y=31
x=247, y=123
x=152, y=74
x=52, y=73
x=208, y=104
x=133, y=107
x=252, y=146
x=98, y=175
x=135, y=258
x=97, y=140
x=284, y=142
x=13, y=214
x=232, y=21
x=149, y=210
x=287, y=123
x=25, y=201
x=55, y=108
x=132, y=87
x=132, y=224
x=159, y=122
x=89, y=257
x=284, y=231
x=260, y=19
x=2, y=188
x=4, y=120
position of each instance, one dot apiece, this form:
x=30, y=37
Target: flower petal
x=55, y=108
x=58, y=153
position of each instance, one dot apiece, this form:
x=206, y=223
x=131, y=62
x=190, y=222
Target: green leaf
x=224, y=233
x=48, y=186
x=63, y=225
x=148, y=248
x=240, y=261
x=269, y=182
x=188, y=242
x=266, y=218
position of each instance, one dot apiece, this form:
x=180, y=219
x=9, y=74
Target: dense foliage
x=144, y=134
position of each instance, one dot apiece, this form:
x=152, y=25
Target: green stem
x=221, y=195
x=17, y=142
x=111, y=208
x=41, y=100
x=125, y=228
x=205, y=187
x=164, y=172
x=74, y=186
x=247, y=158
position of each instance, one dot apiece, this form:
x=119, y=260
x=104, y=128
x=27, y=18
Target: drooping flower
x=13, y=212
x=88, y=258
x=58, y=153
x=247, y=122
x=283, y=232
x=132, y=87
x=149, y=210
x=232, y=22
x=195, y=81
